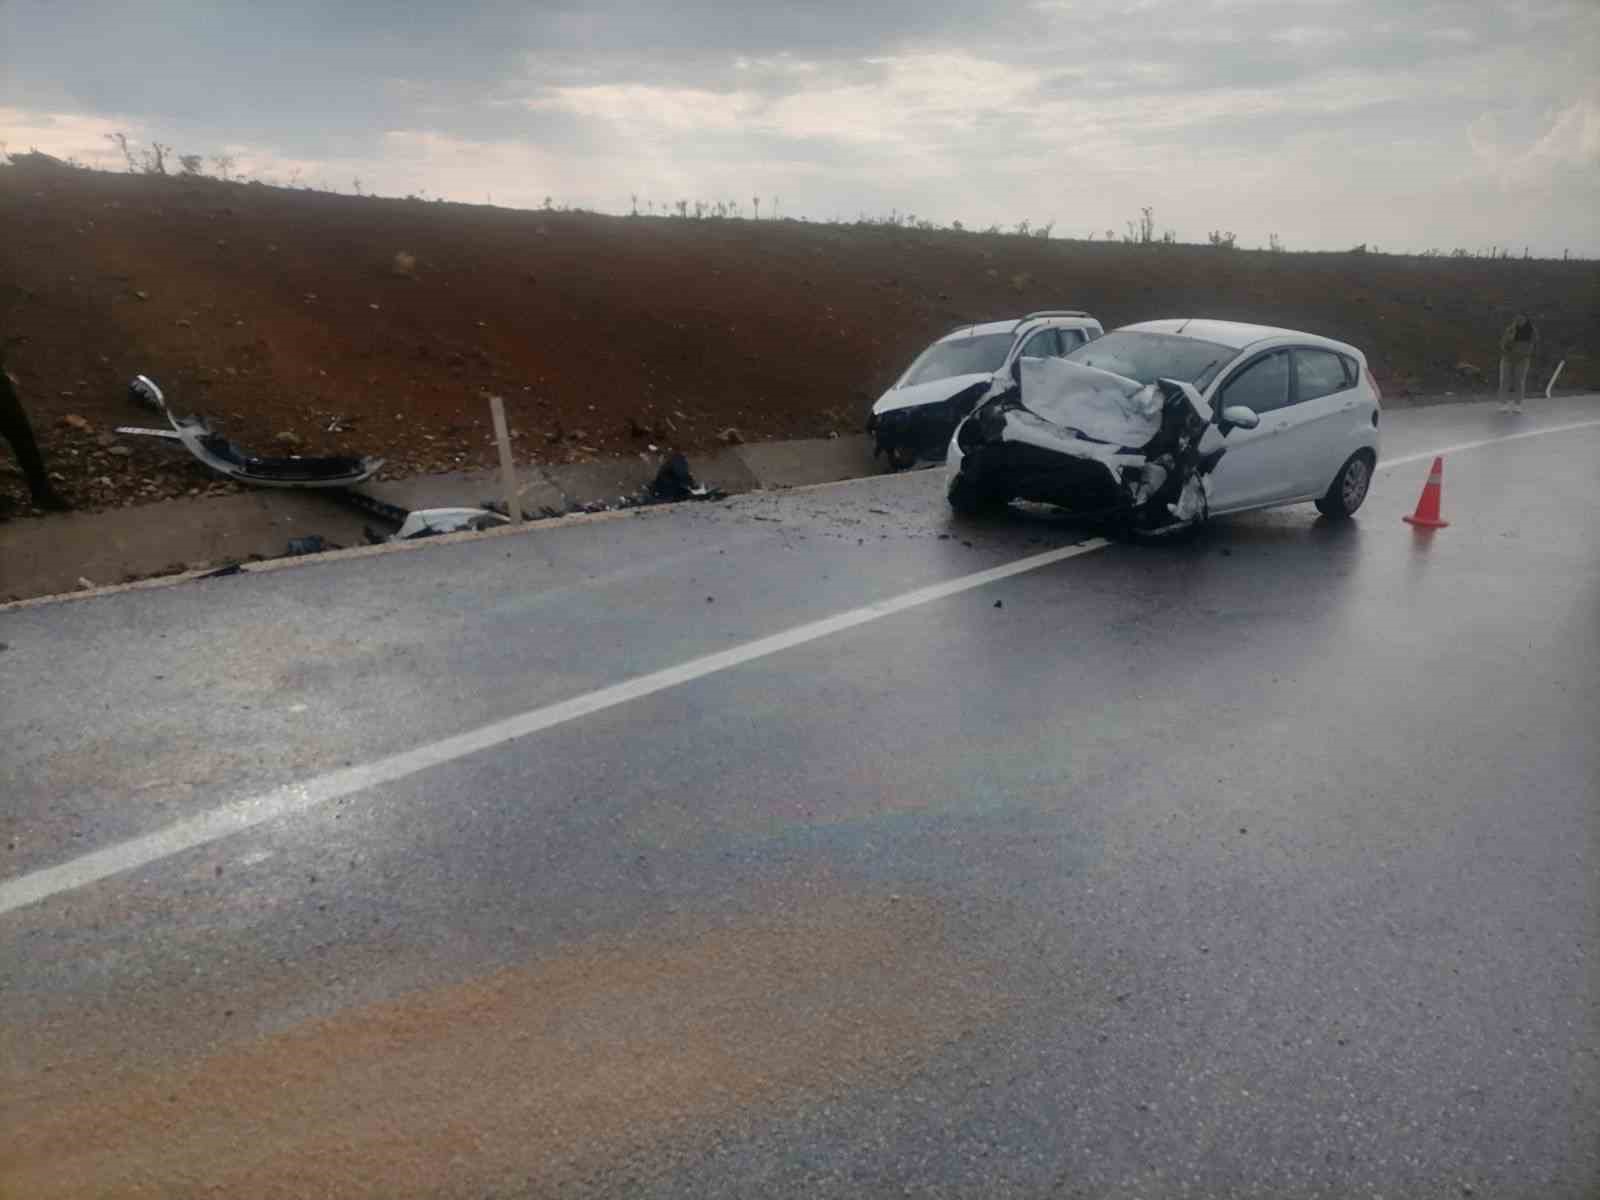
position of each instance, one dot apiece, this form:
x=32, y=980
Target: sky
x=1404, y=125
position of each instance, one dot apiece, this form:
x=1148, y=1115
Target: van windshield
x=983, y=354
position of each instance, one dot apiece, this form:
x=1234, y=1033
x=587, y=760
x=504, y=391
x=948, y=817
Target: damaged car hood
x=934, y=391
x=1100, y=405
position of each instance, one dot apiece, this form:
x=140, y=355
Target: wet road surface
x=1260, y=865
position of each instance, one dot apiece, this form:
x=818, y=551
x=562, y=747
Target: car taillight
x=1377, y=392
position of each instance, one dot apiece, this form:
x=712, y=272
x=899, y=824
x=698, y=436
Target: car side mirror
x=1237, y=416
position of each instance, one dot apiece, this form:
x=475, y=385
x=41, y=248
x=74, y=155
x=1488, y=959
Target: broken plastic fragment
x=312, y=543
x=223, y=457
x=1191, y=502
x=429, y=522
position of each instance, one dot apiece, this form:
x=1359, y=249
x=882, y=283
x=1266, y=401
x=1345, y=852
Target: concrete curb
x=177, y=541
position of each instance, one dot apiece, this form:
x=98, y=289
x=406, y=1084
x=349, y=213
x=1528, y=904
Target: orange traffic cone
x=1427, y=514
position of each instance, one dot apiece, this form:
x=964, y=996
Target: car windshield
x=983, y=354
x=1151, y=356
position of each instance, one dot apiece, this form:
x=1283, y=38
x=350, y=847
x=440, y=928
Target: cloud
x=77, y=137
x=1328, y=121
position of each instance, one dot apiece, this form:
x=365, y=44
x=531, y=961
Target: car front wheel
x=971, y=498
x=1349, y=488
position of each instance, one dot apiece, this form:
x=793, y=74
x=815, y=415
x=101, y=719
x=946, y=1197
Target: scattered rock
x=184, y=323
x=74, y=421
x=287, y=438
x=121, y=451
x=404, y=265
x=85, y=583
x=731, y=436
x=141, y=295
x=105, y=440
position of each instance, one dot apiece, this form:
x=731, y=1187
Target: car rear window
x=1151, y=356
x=984, y=353
x=1321, y=373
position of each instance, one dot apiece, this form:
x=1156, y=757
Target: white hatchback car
x=1161, y=424
x=916, y=416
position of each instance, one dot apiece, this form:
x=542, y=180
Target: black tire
x=969, y=498
x=1349, y=488
x=902, y=458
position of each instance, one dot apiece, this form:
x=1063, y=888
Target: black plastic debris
x=675, y=482
x=223, y=572
x=312, y=543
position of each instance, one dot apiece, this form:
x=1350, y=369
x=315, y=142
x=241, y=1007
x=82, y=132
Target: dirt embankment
x=286, y=317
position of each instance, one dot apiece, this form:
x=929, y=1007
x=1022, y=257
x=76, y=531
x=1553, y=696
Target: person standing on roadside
x=1517, y=344
x=15, y=429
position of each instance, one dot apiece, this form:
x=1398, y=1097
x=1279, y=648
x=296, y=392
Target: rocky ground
x=307, y=322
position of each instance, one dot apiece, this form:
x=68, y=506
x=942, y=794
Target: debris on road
x=430, y=522
x=223, y=457
x=675, y=482
x=422, y=522
x=312, y=543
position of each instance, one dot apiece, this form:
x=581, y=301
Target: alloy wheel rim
x=1355, y=483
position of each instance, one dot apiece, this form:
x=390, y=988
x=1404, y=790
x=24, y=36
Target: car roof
x=1236, y=335
x=1014, y=324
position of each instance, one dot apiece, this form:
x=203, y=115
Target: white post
x=1551, y=386
x=508, y=473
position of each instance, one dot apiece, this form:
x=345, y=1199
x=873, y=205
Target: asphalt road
x=770, y=849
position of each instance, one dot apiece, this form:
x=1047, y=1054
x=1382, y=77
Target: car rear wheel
x=972, y=499
x=1349, y=488
x=902, y=457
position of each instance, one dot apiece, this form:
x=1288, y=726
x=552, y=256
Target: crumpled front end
x=908, y=432
x=1008, y=451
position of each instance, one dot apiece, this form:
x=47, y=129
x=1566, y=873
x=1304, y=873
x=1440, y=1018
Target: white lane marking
x=256, y=810
x=245, y=814
x=1460, y=447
